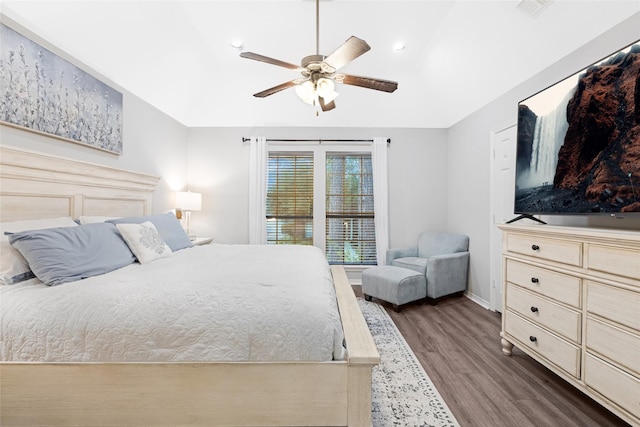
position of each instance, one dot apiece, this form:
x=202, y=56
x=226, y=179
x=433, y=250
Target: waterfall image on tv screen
x=578, y=141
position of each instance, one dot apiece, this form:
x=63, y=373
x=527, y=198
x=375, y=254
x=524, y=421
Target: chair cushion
x=413, y=263
x=439, y=243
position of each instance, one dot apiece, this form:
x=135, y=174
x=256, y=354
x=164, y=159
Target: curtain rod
x=317, y=140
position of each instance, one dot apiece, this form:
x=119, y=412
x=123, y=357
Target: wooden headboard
x=35, y=186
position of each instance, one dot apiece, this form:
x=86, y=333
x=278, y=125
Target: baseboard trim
x=481, y=302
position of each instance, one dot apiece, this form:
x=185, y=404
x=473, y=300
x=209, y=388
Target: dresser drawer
x=564, y=251
x=618, y=345
x=559, y=319
x=613, y=383
x=558, y=286
x=615, y=304
x=615, y=260
x=558, y=351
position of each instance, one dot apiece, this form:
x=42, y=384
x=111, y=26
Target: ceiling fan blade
x=262, y=58
x=369, y=83
x=275, y=89
x=350, y=50
x=326, y=107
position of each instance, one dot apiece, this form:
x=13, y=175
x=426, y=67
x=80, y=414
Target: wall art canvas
x=45, y=93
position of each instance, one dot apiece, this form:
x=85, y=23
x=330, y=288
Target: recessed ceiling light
x=236, y=44
x=399, y=46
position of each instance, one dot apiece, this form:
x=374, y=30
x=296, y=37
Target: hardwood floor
x=458, y=344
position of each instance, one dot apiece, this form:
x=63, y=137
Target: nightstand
x=199, y=241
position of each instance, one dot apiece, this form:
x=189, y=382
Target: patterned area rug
x=403, y=394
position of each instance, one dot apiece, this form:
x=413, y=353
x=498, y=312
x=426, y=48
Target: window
x=350, y=227
x=323, y=198
x=289, y=207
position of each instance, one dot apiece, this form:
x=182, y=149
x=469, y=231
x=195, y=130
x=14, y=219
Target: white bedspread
x=206, y=303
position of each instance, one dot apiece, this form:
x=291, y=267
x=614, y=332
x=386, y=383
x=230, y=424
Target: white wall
x=469, y=155
x=219, y=168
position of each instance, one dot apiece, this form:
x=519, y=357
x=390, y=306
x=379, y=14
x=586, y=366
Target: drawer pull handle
x=533, y=339
x=535, y=247
x=534, y=280
x=534, y=309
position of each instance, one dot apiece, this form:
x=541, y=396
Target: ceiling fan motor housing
x=316, y=63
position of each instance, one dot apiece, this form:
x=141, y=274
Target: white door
x=503, y=162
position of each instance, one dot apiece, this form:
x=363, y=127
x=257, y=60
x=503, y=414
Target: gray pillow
x=60, y=255
x=13, y=267
x=167, y=225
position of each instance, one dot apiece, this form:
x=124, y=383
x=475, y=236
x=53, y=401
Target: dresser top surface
x=582, y=233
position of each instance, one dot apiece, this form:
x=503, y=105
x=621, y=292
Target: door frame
x=495, y=234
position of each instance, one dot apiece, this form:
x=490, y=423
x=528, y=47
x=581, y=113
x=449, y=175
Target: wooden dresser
x=572, y=302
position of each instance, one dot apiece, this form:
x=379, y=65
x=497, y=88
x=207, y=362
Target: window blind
x=350, y=226
x=289, y=209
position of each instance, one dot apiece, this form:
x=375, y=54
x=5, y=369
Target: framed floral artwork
x=46, y=94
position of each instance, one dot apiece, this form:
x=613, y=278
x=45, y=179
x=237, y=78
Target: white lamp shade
x=330, y=96
x=325, y=87
x=306, y=92
x=188, y=201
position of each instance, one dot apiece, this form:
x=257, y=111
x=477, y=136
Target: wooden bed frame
x=337, y=393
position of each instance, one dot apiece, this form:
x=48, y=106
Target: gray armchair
x=442, y=257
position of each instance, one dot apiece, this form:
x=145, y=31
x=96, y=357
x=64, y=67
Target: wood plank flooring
x=458, y=344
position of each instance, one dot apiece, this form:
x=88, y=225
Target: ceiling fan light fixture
x=306, y=92
x=330, y=97
x=325, y=87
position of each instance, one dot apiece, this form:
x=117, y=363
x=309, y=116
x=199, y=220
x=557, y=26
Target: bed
x=260, y=388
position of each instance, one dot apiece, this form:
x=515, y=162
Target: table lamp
x=187, y=201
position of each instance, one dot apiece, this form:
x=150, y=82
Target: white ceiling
x=176, y=55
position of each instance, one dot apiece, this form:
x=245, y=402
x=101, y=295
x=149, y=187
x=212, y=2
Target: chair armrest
x=452, y=256
x=455, y=261
x=447, y=274
x=400, y=253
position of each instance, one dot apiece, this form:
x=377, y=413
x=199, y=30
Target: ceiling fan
x=319, y=72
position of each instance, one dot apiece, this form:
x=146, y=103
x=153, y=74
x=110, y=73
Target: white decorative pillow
x=13, y=267
x=144, y=241
x=167, y=225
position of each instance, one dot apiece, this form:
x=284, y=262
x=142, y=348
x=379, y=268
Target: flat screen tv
x=578, y=142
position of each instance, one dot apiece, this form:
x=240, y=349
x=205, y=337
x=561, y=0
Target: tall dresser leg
x=507, y=347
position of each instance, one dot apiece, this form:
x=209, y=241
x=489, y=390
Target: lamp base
x=188, y=220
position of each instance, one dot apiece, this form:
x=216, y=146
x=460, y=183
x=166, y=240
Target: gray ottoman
x=396, y=285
